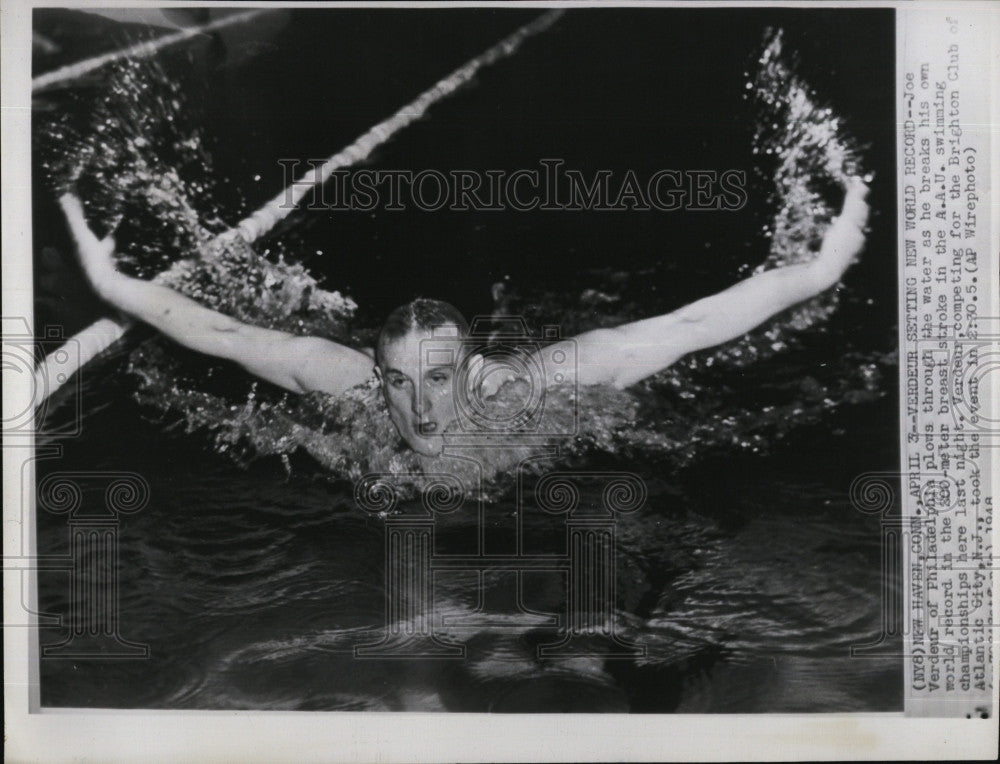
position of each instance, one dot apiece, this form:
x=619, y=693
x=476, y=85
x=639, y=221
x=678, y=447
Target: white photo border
x=35, y=734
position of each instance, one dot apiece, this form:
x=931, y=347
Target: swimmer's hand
x=845, y=238
x=95, y=254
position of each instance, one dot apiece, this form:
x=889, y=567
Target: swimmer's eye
x=440, y=377
x=398, y=382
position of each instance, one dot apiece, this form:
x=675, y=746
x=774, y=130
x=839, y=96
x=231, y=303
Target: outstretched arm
x=299, y=364
x=629, y=353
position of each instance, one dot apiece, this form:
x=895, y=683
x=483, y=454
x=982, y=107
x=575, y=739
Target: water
x=253, y=587
x=252, y=592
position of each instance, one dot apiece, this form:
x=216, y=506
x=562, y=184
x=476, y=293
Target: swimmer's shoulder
x=327, y=367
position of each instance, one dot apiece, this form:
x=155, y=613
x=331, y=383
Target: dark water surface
x=747, y=576
x=747, y=581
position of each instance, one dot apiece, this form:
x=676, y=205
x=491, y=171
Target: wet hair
x=421, y=314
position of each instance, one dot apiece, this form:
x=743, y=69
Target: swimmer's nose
x=427, y=428
x=420, y=405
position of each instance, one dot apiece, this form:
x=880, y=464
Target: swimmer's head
x=417, y=357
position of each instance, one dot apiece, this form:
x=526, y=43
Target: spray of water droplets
x=801, y=143
x=805, y=159
x=735, y=397
x=139, y=157
x=139, y=166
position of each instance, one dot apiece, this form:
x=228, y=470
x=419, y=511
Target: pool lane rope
x=139, y=50
x=54, y=370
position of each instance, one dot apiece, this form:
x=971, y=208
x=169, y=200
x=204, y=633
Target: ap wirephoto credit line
x=949, y=327
x=422, y=371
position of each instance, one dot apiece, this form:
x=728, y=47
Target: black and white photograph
x=507, y=360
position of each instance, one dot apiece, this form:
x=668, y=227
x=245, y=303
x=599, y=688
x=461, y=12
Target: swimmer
x=421, y=396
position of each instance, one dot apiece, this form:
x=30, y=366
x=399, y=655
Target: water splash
x=139, y=160
x=806, y=160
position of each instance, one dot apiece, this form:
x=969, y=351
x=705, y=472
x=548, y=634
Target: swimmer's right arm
x=626, y=354
x=298, y=364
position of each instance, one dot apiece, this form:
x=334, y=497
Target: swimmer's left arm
x=629, y=353
x=298, y=364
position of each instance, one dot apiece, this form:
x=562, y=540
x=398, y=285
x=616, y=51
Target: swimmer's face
x=420, y=393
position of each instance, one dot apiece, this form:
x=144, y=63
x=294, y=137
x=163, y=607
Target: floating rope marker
x=139, y=50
